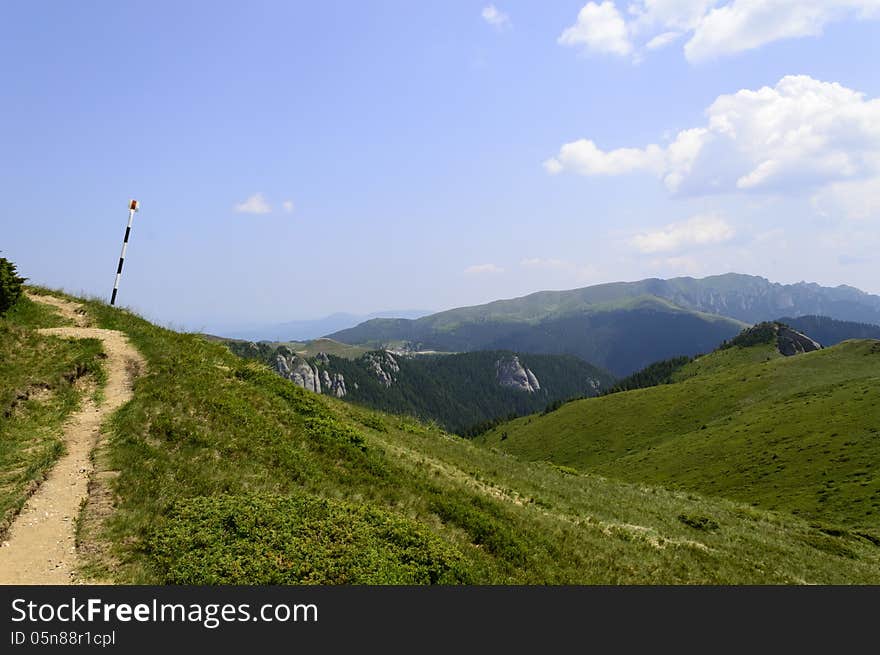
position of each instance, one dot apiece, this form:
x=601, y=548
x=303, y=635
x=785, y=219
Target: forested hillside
x=462, y=392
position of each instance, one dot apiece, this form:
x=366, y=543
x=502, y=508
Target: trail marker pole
x=132, y=208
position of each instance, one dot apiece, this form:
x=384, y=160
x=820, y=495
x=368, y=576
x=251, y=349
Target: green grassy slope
x=800, y=434
x=228, y=473
x=37, y=392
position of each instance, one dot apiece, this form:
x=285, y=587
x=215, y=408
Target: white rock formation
x=510, y=372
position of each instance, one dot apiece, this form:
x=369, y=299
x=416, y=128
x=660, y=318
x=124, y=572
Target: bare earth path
x=40, y=546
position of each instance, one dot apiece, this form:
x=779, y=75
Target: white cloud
x=495, y=17
x=553, y=166
x=747, y=24
x=256, y=204
x=600, y=28
x=584, y=157
x=716, y=27
x=703, y=230
x=287, y=206
x=662, y=40
x=649, y=16
x=856, y=200
x=799, y=134
x=479, y=269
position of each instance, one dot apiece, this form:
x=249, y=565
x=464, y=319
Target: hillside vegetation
x=208, y=435
x=461, y=392
x=798, y=434
x=41, y=383
x=265, y=350
x=227, y=473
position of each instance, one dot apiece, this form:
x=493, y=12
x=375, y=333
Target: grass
x=29, y=314
x=303, y=348
x=297, y=539
x=329, y=346
x=40, y=386
x=227, y=472
x=795, y=434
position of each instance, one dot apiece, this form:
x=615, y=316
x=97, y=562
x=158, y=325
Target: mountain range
x=622, y=326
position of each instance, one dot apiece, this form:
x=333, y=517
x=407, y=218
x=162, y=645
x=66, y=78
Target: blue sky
x=295, y=159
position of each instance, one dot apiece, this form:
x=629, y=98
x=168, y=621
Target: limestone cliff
x=297, y=370
x=509, y=372
x=383, y=365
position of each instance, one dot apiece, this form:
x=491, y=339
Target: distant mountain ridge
x=621, y=326
x=620, y=338
x=754, y=299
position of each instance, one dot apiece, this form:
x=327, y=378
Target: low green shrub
x=484, y=522
x=269, y=540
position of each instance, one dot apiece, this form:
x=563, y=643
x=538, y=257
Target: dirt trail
x=40, y=546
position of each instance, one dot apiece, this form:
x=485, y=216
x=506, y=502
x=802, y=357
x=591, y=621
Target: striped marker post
x=132, y=208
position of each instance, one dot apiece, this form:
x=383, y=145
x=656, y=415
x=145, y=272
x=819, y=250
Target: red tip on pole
x=133, y=205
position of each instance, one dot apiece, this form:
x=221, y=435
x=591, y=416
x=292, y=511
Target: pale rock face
x=511, y=373
x=533, y=381
x=338, y=386
x=383, y=366
x=281, y=366
x=299, y=371
x=306, y=376
x=791, y=342
x=322, y=358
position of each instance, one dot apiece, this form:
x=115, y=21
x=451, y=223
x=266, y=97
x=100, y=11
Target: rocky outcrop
x=338, y=386
x=509, y=372
x=298, y=370
x=333, y=383
x=383, y=365
x=308, y=375
x=791, y=342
